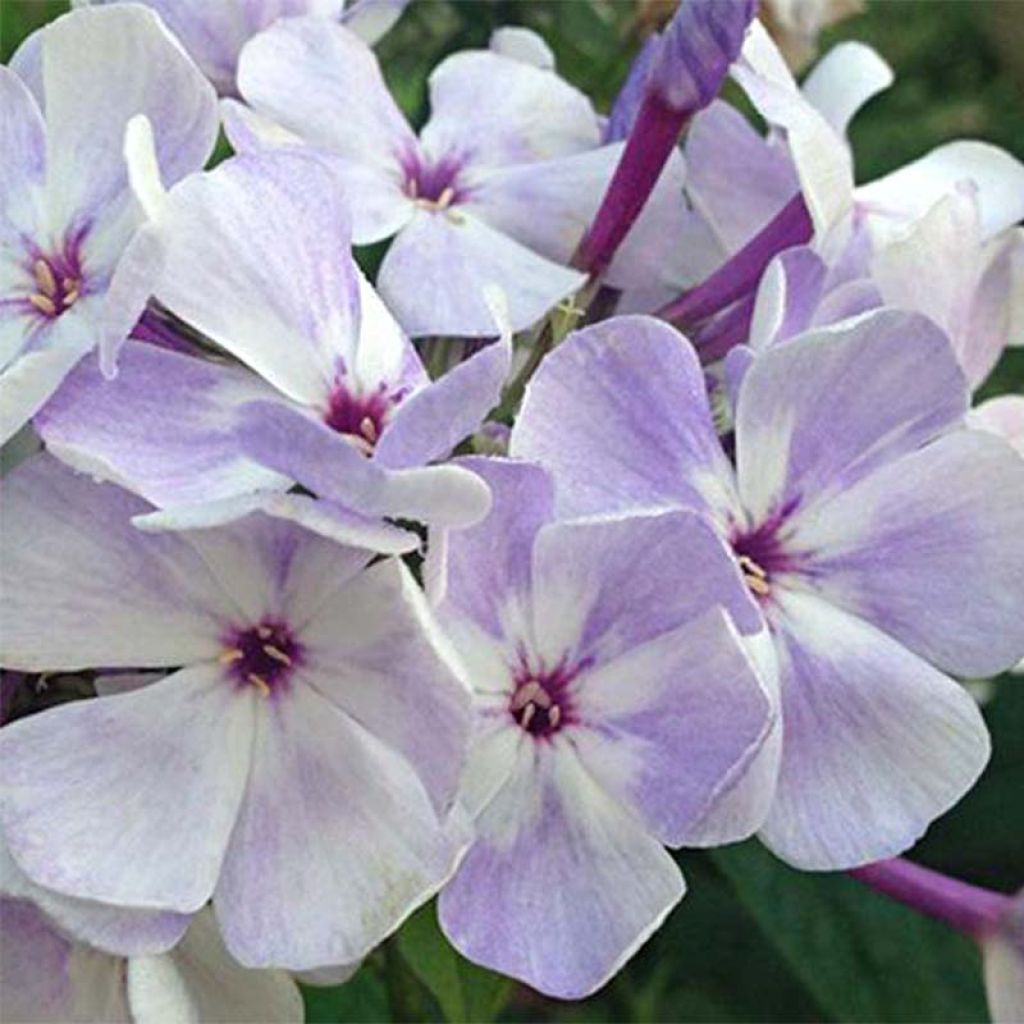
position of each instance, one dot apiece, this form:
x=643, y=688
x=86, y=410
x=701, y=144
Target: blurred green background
x=753, y=941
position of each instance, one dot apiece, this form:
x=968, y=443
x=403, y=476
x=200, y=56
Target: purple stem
x=716, y=339
x=654, y=135
x=741, y=273
x=968, y=908
x=155, y=331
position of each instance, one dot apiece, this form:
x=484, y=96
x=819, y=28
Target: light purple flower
x=885, y=543
x=47, y=976
x=68, y=214
x=214, y=33
x=332, y=394
x=297, y=764
x=498, y=187
x=621, y=706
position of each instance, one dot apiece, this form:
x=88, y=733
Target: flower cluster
x=637, y=502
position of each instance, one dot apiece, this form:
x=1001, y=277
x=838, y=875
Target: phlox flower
x=884, y=542
x=47, y=976
x=296, y=763
x=68, y=214
x=331, y=393
x=625, y=697
x=498, y=187
x=214, y=33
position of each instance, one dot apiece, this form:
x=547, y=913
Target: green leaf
x=363, y=999
x=464, y=991
x=864, y=957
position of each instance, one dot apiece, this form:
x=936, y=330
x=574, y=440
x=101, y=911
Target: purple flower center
x=360, y=418
x=56, y=281
x=434, y=185
x=263, y=655
x=541, y=703
x=761, y=556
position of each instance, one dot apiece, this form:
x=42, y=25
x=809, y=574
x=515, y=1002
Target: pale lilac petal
x=996, y=318
x=844, y=80
x=214, y=34
x=722, y=151
x=336, y=844
x=435, y=275
x=618, y=412
x=322, y=460
x=562, y=885
x=604, y=586
x=815, y=415
x=788, y=297
x=258, y=259
x=372, y=19
x=909, y=192
x=130, y=799
x=23, y=145
x=83, y=588
x=379, y=206
x=198, y=980
x=1003, y=416
x=323, y=83
x=524, y=45
x=143, y=71
x=28, y=383
x=481, y=566
x=432, y=422
x=163, y=428
x=118, y=930
x=491, y=111
x=673, y=724
x=930, y=548
x=374, y=650
x=34, y=966
x=821, y=157
x=877, y=742
x=329, y=520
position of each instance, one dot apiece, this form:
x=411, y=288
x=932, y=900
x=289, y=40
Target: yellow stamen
x=757, y=585
x=531, y=710
x=750, y=567
x=278, y=655
x=525, y=694
x=44, y=275
x=231, y=656
x=264, y=632
x=260, y=683
x=554, y=716
x=43, y=304
x=69, y=297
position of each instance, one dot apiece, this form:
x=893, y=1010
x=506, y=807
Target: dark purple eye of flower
x=361, y=418
x=434, y=186
x=540, y=702
x=57, y=283
x=262, y=656
x=761, y=556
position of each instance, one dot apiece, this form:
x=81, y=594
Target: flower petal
x=435, y=275
x=815, y=415
x=374, y=650
x=619, y=414
x=163, y=428
x=198, y=980
x=88, y=104
x=844, y=80
x=930, y=548
x=92, y=590
x=876, y=743
x=674, y=723
x=336, y=844
x=130, y=799
x=495, y=110
x=257, y=258
x=562, y=886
